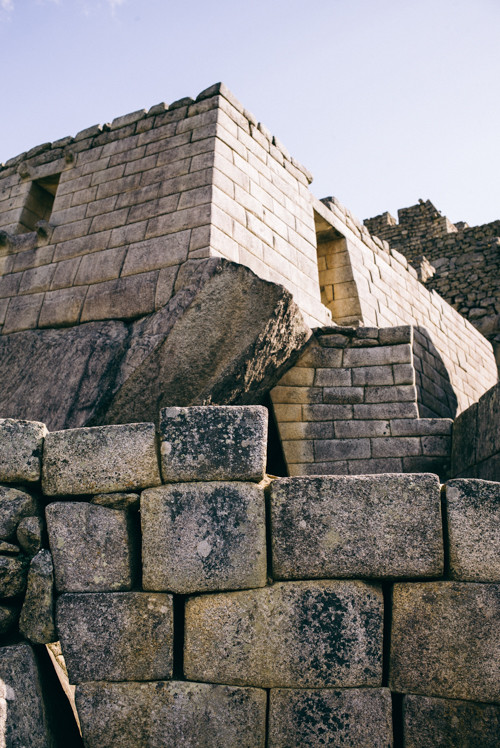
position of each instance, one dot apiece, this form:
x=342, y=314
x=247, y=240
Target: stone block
x=396, y=446
x=391, y=394
x=375, y=465
x=22, y=313
x=213, y=443
x=300, y=634
x=331, y=377
x=296, y=394
x=358, y=717
x=430, y=722
x=473, y=518
x=445, y=640
x=36, y=622
x=372, y=375
x=198, y=537
x=380, y=356
x=298, y=450
x=386, y=526
x=355, y=429
x=341, y=449
x=343, y=395
x=12, y=576
x=464, y=441
x=91, y=547
x=100, y=459
x=23, y=710
x=14, y=505
x=30, y=534
x=172, y=713
x=120, y=500
x=116, y=636
x=367, y=411
x=20, y=450
x=122, y=298
x=421, y=427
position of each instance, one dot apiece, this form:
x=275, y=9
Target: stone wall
x=327, y=595
x=352, y=405
x=460, y=262
x=476, y=439
x=135, y=199
x=365, y=279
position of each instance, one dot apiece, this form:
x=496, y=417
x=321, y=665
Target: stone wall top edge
x=118, y=123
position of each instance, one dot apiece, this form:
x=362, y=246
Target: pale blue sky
x=385, y=101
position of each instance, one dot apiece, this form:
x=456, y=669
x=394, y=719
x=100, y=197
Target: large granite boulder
x=225, y=337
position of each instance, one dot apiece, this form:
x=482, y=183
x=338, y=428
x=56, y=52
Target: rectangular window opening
x=39, y=202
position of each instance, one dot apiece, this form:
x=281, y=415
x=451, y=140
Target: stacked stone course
x=373, y=584
x=352, y=405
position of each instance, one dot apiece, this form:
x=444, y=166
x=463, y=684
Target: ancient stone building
x=181, y=323
x=460, y=262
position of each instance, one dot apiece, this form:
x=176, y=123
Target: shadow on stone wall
x=435, y=394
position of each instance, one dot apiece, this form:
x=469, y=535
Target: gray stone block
x=175, y=713
x=29, y=534
x=20, y=450
x=91, y=547
x=198, y=537
x=102, y=459
x=431, y=722
x=21, y=704
x=213, y=443
x=36, y=622
x=385, y=526
x=14, y=505
x=361, y=718
x=445, y=640
x=116, y=636
x=473, y=514
x=301, y=634
x=12, y=576
x=117, y=500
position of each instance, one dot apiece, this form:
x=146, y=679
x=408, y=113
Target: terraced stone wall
x=199, y=602
x=352, y=404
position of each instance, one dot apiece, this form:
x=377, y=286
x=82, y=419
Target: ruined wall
x=350, y=405
x=354, y=588
x=374, y=283
x=464, y=260
x=134, y=200
x=476, y=439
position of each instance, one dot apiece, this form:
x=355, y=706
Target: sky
x=384, y=101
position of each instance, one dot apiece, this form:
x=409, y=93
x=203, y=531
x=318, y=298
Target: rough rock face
x=226, y=336
x=37, y=614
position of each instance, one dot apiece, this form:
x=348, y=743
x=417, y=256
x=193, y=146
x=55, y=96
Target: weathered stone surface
x=473, y=513
x=8, y=617
x=301, y=634
x=213, y=443
x=117, y=500
x=445, y=640
x=8, y=549
x=21, y=699
x=198, y=537
x=59, y=376
x=431, y=722
x=116, y=636
x=171, y=713
x=36, y=622
x=102, y=459
x=369, y=526
x=91, y=547
x=14, y=505
x=20, y=450
x=12, y=576
x=29, y=534
x=357, y=717
x=226, y=337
